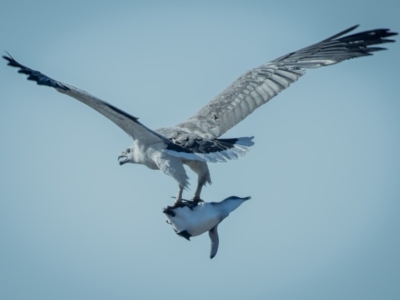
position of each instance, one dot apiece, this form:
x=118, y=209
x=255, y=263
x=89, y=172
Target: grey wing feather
x=213, y=233
x=125, y=121
x=258, y=86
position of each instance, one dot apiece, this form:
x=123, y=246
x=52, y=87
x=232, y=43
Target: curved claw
x=196, y=199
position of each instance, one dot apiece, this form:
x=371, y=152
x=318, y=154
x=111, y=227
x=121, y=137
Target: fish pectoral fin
x=184, y=234
x=213, y=233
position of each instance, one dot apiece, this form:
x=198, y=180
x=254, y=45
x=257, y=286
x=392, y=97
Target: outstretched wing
x=258, y=86
x=125, y=121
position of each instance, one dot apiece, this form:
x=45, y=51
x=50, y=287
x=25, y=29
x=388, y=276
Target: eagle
x=197, y=141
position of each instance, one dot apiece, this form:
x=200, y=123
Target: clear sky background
x=324, y=172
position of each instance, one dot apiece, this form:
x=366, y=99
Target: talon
x=169, y=211
x=178, y=201
x=197, y=199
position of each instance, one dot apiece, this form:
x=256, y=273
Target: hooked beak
x=122, y=159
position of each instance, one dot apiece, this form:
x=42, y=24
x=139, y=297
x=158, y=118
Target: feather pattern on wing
x=197, y=137
x=258, y=86
x=125, y=121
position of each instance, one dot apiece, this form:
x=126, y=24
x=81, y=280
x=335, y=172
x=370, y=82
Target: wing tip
x=33, y=75
x=11, y=61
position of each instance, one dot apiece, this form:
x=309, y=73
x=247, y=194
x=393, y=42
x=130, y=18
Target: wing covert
x=256, y=87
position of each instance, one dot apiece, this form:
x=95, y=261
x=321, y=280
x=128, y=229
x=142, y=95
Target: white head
x=127, y=156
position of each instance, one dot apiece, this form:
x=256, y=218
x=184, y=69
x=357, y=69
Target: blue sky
x=323, y=175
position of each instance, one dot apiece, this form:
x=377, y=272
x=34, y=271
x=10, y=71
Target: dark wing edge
x=125, y=121
x=217, y=150
x=258, y=86
x=213, y=233
x=337, y=48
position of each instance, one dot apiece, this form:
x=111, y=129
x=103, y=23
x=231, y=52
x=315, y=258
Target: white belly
x=201, y=219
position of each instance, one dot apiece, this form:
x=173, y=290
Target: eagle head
x=126, y=156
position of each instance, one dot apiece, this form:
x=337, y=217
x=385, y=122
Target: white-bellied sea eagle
x=196, y=141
